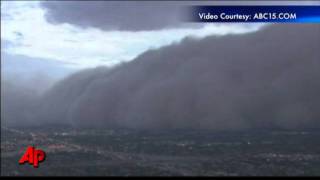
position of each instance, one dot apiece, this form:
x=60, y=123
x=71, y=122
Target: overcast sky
x=46, y=31
x=88, y=34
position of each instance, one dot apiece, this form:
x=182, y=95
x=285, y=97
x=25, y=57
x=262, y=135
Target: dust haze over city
x=126, y=84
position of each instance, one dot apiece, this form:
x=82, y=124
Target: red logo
x=33, y=156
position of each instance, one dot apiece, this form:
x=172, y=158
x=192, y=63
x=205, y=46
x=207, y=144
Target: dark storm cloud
x=109, y=15
x=131, y=15
x=266, y=79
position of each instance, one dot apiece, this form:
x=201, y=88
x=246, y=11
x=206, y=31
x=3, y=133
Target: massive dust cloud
x=265, y=79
